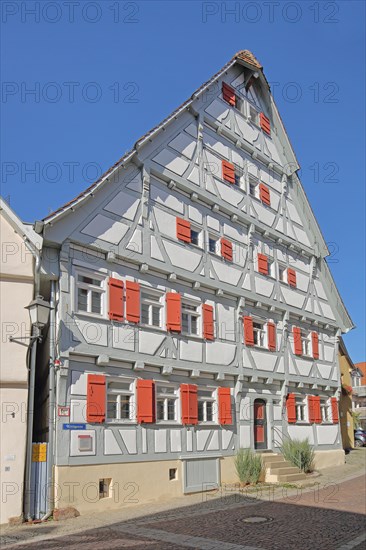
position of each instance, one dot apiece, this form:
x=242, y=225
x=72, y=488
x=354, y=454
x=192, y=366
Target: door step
x=279, y=470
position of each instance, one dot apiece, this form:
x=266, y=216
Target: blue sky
x=103, y=73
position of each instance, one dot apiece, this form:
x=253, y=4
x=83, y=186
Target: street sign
x=74, y=426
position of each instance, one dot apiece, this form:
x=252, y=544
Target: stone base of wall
x=228, y=471
x=327, y=459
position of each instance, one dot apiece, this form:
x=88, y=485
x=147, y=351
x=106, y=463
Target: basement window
x=104, y=487
x=172, y=474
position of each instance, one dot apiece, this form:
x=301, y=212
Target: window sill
x=113, y=422
x=210, y=423
x=192, y=336
x=167, y=423
x=89, y=315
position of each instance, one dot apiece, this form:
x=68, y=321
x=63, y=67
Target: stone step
x=272, y=458
x=291, y=477
x=284, y=464
x=284, y=471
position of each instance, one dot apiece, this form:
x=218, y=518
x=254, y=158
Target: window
x=259, y=334
x=305, y=343
x=195, y=236
x=300, y=410
x=206, y=404
x=239, y=104
x=151, y=308
x=166, y=402
x=172, y=474
x=104, y=487
x=120, y=400
x=271, y=267
x=325, y=411
x=213, y=243
x=253, y=115
x=282, y=273
x=89, y=293
x=190, y=317
x=253, y=187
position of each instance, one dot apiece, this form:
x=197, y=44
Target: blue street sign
x=73, y=426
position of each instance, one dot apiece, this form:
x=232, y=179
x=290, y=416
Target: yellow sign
x=39, y=452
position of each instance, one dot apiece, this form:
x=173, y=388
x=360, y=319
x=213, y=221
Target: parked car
x=360, y=438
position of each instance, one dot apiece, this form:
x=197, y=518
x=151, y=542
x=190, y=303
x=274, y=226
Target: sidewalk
x=198, y=504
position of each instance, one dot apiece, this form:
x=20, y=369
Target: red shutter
x=225, y=415
x=95, y=398
x=315, y=344
x=291, y=408
x=265, y=123
x=226, y=249
x=208, y=322
x=264, y=194
x=271, y=333
x=145, y=401
x=263, y=264
x=132, y=302
x=291, y=277
x=183, y=230
x=228, y=93
x=173, y=312
x=228, y=171
x=188, y=395
x=311, y=406
x=296, y=331
x=115, y=299
x=317, y=411
x=335, y=416
x=248, y=331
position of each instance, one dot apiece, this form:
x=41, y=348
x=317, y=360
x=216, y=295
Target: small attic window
x=253, y=115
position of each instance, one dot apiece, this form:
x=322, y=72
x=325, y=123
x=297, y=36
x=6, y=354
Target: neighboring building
x=19, y=248
x=196, y=313
x=359, y=392
x=345, y=402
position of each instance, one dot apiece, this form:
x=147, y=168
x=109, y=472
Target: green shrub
x=299, y=453
x=248, y=466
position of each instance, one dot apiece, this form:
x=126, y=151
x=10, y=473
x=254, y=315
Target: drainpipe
x=51, y=404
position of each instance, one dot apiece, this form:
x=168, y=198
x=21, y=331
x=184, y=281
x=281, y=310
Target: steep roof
x=25, y=231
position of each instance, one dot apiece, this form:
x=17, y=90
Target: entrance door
x=260, y=424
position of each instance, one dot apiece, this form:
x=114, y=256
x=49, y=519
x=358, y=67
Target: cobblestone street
x=328, y=518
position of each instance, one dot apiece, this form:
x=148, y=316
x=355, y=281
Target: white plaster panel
x=239, y=254
x=228, y=194
x=263, y=286
x=149, y=342
x=304, y=367
x=78, y=410
x=217, y=109
x=226, y=322
x=105, y=229
x=78, y=383
x=277, y=412
x=144, y=439
x=320, y=289
x=166, y=198
x=301, y=432
x=264, y=361
x=327, y=311
x=301, y=236
x=124, y=205
x=212, y=223
x=272, y=150
x=324, y=371
x=226, y=438
x=302, y=282
x=235, y=233
x=291, y=365
x=281, y=365
x=329, y=353
x=190, y=351
x=74, y=442
x=245, y=408
x=247, y=131
x=160, y=440
x=202, y=438
x=194, y=176
x=216, y=145
x=129, y=439
x=175, y=441
x=264, y=214
x=111, y=446
x=246, y=283
x=214, y=443
x=183, y=144
x=327, y=435
x=244, y=437
x=192, y=130
x=292, y=297
x=124, y=337
x=166, y=223
x=134, y=183
x=189, y=436
x=294, y=216
x=135, y=244
x=171, y=161
x=219, y=353
x=182, y=256
x=194, y=214
x=93, y=332
x=155, y=250
x=226, y=272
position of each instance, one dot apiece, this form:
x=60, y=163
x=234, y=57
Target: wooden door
x=260, y=424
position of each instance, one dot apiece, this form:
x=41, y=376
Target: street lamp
x=39, y=311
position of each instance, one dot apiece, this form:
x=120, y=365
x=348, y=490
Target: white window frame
x=306, y=344
x=301, y=410
x=204, y=399
x=253, y=181
x=256, y=119
x=191, y=313
x=131, y=392
x=260, y=334
x=160, y=395
x=284, y=267
x=151, y=304
x=199, y=232
x=90, y=289
x=216, y=238
x=325, y=411
x=271, y=267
